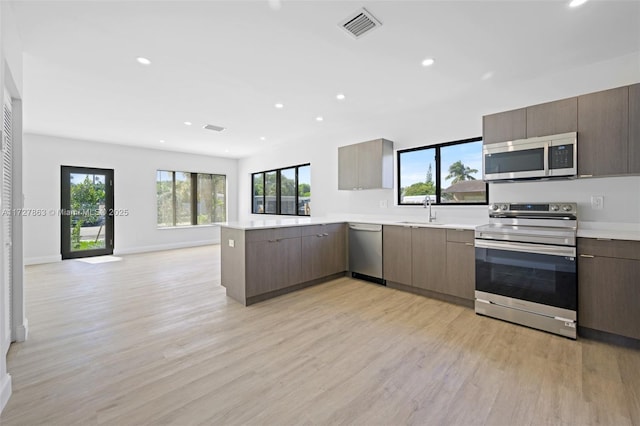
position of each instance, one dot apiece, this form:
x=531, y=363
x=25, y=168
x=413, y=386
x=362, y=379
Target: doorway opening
x=86, y=215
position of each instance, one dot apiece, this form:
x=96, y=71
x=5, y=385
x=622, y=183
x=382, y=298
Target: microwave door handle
x=546, y=159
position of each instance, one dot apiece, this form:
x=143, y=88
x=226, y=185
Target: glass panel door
x=86, y=214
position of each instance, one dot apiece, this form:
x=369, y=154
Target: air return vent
x=212, y=127
x=360, y=23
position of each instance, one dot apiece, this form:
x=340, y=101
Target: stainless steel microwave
x=533, y=158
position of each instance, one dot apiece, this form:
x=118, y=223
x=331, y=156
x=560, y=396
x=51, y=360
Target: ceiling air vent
x=360, y=23
x=212, y=127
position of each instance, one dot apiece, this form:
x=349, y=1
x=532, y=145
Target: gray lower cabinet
x=461, y=262
x=396, y=254
x=323, y=251
x=429, y=255
x=608, y=286
x=438, y=260
x=261, y=263
x=273, y=264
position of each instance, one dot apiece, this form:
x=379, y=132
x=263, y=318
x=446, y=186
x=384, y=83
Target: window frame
x=193, y=179
x=437, y=147
x=278, y=185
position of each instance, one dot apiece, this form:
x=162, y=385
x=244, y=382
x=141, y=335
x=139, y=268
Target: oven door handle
x=527, y=248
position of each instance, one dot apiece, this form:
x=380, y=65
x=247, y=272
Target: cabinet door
x=370, y=164
x=288, y=263
x=396, y=254
x=461, y=271
x=608, y=294
x=335, y=247
x=261, y=267
x=634, y=128
x=504, y=126
x=272, y=265
x=324, y=253
x=429, y=258
x=552, y=118
x=603, y=132
x=312, y=257
x=348, y=167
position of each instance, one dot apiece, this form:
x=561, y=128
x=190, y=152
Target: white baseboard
x=161, y=247
x=130, y=250
x=5, y=390
x=42, y=259
x=22, y=331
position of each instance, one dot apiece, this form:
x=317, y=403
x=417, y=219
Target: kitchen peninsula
x=265, y=259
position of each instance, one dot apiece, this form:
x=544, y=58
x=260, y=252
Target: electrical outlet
x=383, y=204
x=597, y=202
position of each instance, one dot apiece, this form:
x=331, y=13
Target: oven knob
x=493, y=207
x=504, y=207
x=567, y=208
x=554, y=207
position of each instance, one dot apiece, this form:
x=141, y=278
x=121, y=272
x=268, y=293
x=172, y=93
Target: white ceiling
x=228, y=62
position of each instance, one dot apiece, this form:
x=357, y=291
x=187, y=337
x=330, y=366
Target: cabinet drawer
x=621, y=249
x=322, y=229
x=460, y=235
x=272, y=234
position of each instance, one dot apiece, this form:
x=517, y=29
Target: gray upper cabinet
x=634, y=128
x=504, y=126
x=366, y=165
x=603, y=133
x=552, y=118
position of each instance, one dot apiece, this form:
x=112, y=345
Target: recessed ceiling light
x=576, y=3
x=340, y=96
x=279, y=105
x=487, y=75
x=319, y=118
x=142, y=60
x=262, y=138
x=428, y=62
x=188, y=123
x=226, y=150
x=161, y=140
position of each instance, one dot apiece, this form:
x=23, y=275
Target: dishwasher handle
x=365, y=227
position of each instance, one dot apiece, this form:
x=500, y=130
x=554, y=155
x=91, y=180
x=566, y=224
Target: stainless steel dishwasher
x=365, y=252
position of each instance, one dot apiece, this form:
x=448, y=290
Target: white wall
x=134, y=189
x=11, y=80
x=450, y=121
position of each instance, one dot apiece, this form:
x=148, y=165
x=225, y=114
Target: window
x=186, y=198
x=448, y=173
x=285, y=191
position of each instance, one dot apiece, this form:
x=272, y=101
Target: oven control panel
x=556, y=208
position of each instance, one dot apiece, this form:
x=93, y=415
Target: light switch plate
x=597, y=202
x=383, y=204
x=232, y=243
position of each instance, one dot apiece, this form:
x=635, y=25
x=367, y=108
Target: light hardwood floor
x=154, y=340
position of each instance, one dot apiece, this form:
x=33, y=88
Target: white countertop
x=605, y=230
x=304, y=221
x=608, y=230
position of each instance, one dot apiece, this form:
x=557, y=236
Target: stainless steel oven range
x=526, y=269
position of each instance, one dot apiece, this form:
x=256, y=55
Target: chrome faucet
x=427, y=203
